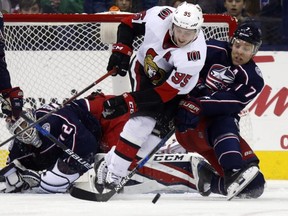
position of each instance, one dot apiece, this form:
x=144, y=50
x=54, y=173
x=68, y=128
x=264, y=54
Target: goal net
x=52, y=56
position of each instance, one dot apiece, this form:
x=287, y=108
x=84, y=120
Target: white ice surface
x=274, y=202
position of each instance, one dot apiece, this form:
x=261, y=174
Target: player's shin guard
x=228, y=152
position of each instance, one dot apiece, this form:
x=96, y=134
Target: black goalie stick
x=104, y=197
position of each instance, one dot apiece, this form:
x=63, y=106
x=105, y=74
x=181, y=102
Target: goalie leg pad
x=55, y=181
x=13, y=180
x=14, y=183
x=31, y=177
x=203, y=174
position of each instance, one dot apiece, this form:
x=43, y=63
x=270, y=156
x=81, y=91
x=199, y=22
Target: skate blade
x=241, y=182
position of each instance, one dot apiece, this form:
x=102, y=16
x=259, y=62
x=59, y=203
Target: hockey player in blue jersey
x=13, y=95
x=35, y=160
x=207, y=120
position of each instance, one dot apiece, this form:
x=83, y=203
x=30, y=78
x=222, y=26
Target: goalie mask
x=30, y=136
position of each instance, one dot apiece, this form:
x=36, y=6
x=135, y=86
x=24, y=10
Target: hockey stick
x=60, y=106
x=45, y=133
x=104, y=197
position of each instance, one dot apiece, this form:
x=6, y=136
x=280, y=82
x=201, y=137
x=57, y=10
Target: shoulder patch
x=193, y=56
x=46, y=127
x=165, y=13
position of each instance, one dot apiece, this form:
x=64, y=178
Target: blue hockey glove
x=187, y=116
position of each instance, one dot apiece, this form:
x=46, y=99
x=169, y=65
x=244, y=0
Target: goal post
x=53, y=56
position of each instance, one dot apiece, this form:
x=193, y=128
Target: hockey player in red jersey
x=13, y=95
x=166, y=67
x=229, y=80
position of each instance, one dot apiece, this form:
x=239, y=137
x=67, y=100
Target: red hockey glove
x=120, y=59
x=15, y=98
x=119, y=105
x=187, y=116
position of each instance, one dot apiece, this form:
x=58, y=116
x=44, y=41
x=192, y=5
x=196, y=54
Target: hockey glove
x=14, y=96
x=119, y=105
x=120, y=59
x=187, y=116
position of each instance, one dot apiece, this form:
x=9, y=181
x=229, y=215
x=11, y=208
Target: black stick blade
x=90, y=196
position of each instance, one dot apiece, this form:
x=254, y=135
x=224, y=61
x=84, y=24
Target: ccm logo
x=115, y=47
x=172, y=157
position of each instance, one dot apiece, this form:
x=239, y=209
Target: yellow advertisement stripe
x=3, y=157
x=273, y=164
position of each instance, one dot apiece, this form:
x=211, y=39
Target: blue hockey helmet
x=250, y=33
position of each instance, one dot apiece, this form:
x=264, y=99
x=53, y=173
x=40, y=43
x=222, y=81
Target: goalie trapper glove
x=14, y=97
x=119, y=105
x=120, y=59
x=187, y=116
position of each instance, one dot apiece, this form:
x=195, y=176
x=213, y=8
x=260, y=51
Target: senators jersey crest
x=152, y=70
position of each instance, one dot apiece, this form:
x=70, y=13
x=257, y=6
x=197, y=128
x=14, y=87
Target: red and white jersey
x=162, y=59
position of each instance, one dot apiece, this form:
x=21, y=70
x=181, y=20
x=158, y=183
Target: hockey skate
x=112, y=180
x=105, y=179
x=101, y=170
x=236, y=181
x=202, y=172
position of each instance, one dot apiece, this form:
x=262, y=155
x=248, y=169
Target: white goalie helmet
x=30, y=136
x=188, y=16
